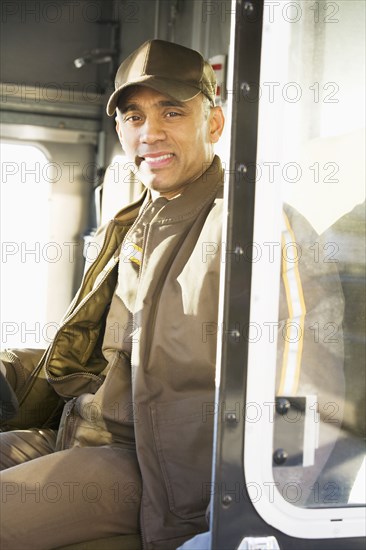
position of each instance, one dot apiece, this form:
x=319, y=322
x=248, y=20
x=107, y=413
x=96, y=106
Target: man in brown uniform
x=132, y=453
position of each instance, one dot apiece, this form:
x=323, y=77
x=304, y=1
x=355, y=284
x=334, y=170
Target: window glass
x=308, y=285
x=26, y=249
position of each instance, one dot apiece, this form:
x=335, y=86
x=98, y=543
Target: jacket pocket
x=82, y=431
x=183, y=439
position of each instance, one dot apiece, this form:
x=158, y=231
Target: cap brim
x=175, y=89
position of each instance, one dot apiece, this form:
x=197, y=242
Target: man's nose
x=152, y=130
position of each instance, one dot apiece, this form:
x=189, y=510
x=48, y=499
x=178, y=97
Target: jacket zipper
x=72, y=315
x=108, y=233
x=69, y=421
x=88, y=274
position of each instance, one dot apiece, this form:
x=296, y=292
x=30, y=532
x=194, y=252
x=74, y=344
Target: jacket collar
x=186, y=205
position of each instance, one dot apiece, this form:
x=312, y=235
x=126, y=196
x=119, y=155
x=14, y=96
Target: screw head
x=227, y=500
x=230, y=417
x=248, y=6
x=282, y=405
x=280, y=456
x=242, y=169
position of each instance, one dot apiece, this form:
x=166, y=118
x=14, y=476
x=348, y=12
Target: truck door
x=289, y=457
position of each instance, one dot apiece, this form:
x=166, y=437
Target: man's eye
x=172, y=114
x=132, y=118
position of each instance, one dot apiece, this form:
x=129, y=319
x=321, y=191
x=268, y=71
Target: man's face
x=170, y=142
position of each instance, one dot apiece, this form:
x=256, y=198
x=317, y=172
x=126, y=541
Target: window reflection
x=319, y=427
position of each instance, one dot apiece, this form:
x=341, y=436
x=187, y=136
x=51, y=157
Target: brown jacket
x=161, y=398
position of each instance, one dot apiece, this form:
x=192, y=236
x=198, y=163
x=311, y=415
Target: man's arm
x=21, y=372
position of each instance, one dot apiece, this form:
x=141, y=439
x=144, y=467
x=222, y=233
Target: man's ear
x=119, y=131
x=217, y=121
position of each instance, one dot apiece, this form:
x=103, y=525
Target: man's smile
x=157, y=160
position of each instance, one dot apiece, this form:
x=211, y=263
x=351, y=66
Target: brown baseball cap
x=168, y=68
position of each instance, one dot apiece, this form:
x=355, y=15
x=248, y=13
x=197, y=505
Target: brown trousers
x=52, y=499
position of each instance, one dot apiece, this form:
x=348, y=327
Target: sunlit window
x=25, y=249
x=309, y=284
